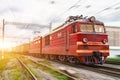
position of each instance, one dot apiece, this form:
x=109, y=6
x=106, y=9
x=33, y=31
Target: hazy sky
x=54, y=11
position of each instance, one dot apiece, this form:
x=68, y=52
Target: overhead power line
x=30, y=24
x=16, y=37
x=74, y=5
x=107, y=8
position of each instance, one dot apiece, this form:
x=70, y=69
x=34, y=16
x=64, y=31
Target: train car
x=79, y=39
x=21, y=49
x=35, y=48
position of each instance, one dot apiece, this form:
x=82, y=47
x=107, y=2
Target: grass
x=53, y=72
x=46, y=62
x=57, y=75
x=113, y=59
x=13, y=71
x=3, y=63
x=16, y=73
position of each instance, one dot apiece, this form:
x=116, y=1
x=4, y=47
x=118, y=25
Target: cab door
x=67, y=40
x=70, y=37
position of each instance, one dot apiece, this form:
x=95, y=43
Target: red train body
x=77, y=40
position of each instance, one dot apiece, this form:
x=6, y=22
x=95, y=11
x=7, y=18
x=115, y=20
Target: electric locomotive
x=79, y=39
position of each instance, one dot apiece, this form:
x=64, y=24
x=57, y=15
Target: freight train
x=78, y=40
x=21, y=49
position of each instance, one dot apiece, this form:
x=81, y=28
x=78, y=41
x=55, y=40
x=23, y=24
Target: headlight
x=104, y=41
x=92, y=19
x=85, y=40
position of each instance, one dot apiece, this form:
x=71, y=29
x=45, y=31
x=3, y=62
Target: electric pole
x=3, y=39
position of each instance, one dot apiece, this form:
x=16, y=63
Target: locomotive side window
x=74, y=28
x=86, y=28
x=59, y=35
x=99, y=28
x=47, y=40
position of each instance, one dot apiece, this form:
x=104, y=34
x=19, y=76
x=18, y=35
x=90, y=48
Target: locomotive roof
x=69, y=22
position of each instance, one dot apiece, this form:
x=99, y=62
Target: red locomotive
x=79, y=39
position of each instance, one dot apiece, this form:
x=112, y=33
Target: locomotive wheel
x=52, y=57
x=46, y=56
x=62, y=58
x=72, y=59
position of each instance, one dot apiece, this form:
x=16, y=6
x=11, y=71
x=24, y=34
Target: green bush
x=113, y=59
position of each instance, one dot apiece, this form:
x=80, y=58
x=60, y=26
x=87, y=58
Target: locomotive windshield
x=99, y=28
x=90, y=28
x=86, y=28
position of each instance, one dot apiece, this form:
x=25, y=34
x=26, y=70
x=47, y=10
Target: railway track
x=96, y=68
x=31, y=75
x=70, y=77
x=109, y=70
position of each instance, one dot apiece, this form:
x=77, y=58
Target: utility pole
x=3, y=39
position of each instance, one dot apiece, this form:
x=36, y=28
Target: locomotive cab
x=92, y=41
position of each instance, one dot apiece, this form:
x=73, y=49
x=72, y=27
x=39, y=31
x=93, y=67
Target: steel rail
x=27, y=69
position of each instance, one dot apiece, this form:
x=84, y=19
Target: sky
x=44, y=12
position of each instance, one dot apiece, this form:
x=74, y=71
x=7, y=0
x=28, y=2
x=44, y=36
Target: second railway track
x=99, y=69
x=31, y=75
